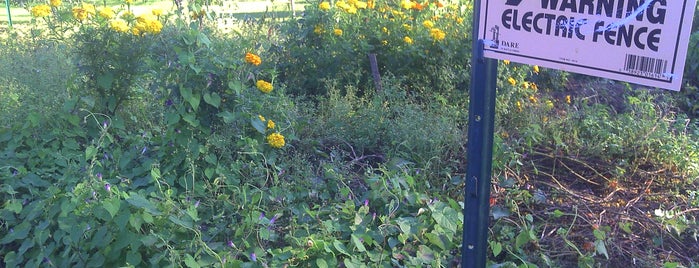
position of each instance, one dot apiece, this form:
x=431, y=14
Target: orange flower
x=252, y=59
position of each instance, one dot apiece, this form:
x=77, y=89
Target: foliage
x=171, y=153
x=427, y=41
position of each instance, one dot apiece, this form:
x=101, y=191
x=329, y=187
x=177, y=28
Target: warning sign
x=638, y=41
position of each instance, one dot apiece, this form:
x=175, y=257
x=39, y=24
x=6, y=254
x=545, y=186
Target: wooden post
x=375, y=71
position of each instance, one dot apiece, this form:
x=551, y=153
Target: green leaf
x=522, y=239
x=500, y=212
x=236, y=86
x=141, y=202
x=191, y=262
x=105, y=80
x=212, y=99
x=112, y=206
x=227, y=116
x=340, y=247
x=90, y=152
x=18, y=232
x=259, y=125
x=133, y=258
x=358, y=243
x=600, y=248
x=155, y=173
x=321, y=263
x=14, y=206
x=496, y=247
x=437, y=240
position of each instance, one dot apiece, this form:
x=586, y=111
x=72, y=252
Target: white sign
x=638, y=41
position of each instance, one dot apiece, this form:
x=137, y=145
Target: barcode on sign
x=645, y=64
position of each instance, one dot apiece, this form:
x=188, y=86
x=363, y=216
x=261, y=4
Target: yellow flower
x=568, y=99
x=252, y=59
x=264, y=86
x=157, y=12
x=351, y=10
x=534, y=86
x=536, y=69
x=324, y=5
x=512, y=81
x=318, y=29
x=270, y=124
x=533, y=99
x=428, y=24
x=41, y=11
x=549, y=104
x=361, y=5
x=407, y=4
x=384, y=42
x=262, y=118
x=55, y=3
x=370, y=4
x=408, y=40
x=119, y=25
x=459, y=20
x=106, y=13
x=437, y=34
x=407, y=27
x=384, y=29
x=79, y=13
x=276, y=140
x=506, y=62
x=342, y=5
x=128, y=1
x=519, y=106
x=337, y=32
x=525, y=85
x=154, y=26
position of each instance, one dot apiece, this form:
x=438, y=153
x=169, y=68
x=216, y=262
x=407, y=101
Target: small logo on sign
x=496, y=36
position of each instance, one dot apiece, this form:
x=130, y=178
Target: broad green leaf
x=155, y=173
x=141, y=202
x=522, y=239
x=105, y=80
x=180, y=222
x=500, y=212
x=191, y=262
x=496, y=247
x=358, y=243
x=321, y=263
x=437, y=240
x=227, y=116
x=18, y=232
x=600, y=248
x=341, y=247
x=112, y=206
x=212, y=99
x=133, y=258
x=14, y=206
x=259, y=125
x=425, y=253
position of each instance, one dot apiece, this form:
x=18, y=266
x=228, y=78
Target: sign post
x=479, y=152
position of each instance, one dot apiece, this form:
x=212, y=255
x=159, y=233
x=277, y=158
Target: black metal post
x=479, y=152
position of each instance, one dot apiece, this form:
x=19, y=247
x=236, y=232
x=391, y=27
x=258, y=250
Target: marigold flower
x=407, y=27
x=252, y=59
x=568, y=101
x=119, y=25
x=407, y=4
x=533, y=99
x=41, y=11
x=408, y=40
x=437, y=34
x=79, y=13
x=157, y=12
x=264, y=86
x=536, y=69
x=55, y=3
x=534, y=86
x=519, y=106
x=370, y=4
x=428, y=24
x=270, y=124
x=106, y=12
x=262, y=118
x=337, y=32
x=318, y=29
x=506, y=62
x=276, y=140
x=549, y=104
x=361, y=5
x=324, y=5
x=512, y=81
